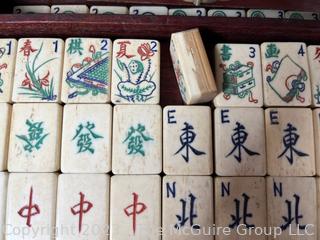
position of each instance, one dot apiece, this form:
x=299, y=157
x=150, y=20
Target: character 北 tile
x=38, y=70
x=31, y=204
x=241, y=205
x=87, y=70
x=238, y=75
x=290, y=142
x=187, y=207
x=83, y=205
x=109, y=10
x=187, y=140
x=5, y=116
x=314, y=64
x=135, y=207
x=292, y=207
x=8, y=51
x=240, y=142
x=286, y=78
x=35, y=138
x=3, y=201
x=135, y=72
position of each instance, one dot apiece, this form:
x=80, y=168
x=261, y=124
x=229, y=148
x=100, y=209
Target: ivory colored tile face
x=148, y=10
x=35, y=138
x=265, y=13
x=318, y=204
x=200, y=12
x=314, y=64
x=286, y=76
x=238, y=75
x=69, y=9
x=135, y=208
x=240, y=142
x=226, y=13
x=135, y=72
x=187, y=140
x=290, y=142
x=187, y=207
x=31, y=9
x=3, y=201
x=292, y=207
x=5, y=116
x=31, y=206
x=137, y=139
x=86, y=70
x=240, y=204
x=83, y=207
x=8, y=51
x=316, y=123
x=109, y=10
x=38, y=70
x=302, y=15
x=86, y=140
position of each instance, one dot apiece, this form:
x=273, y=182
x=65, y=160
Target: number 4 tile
x=286, y=75
x=238, y=75
x=8, y=50
x=38, y=70
x=87, y=70
x=135, y=72
x=3, y=201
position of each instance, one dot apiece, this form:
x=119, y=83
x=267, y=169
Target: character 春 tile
x=5, y=116
x=137, y=139
x=314, y=66
x=135, y=72
x=200, y=12
x=290, y=142
x=238, y=75
x=240, y=142
x=187, y=140
x=265, y=13
x=87, y=70
x=302, y=15
x=187, y=207
x=35, y=138
x=30, y=9
x=286, y=78
x=86, y=138
x=3, y=201
x=148, y=10
x=38, y=70
x=69, y=9
x=31, y=204
x=226, y=13
x=109, y=10
x=292, y=207
x=241, y=205
x=135, y=207
x=8, y=51
x=83, y=206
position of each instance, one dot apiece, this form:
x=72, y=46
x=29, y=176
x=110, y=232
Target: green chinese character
x=135, y=139
x=226, y=52
x=85, y=136
x=272, y=51
x=75, y=46
x=35, y=137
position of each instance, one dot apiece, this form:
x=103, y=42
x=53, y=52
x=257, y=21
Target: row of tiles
x=162, y=10
x=44, y=70
x=93, y=206
x=144, y=139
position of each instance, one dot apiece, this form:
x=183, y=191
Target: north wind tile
x=226, y=13
x=135, y=72
x=69, y=9
x=109, y=10
x=31, y=9
x=3, y=202
x=86, y=70
x=5, y=118
x=38, y=70
x=148, y=10
x=8, y=51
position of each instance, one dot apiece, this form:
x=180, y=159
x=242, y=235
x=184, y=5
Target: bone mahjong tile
x=302, y=15
x=69, y=9
x=3, y=202
x=314, y=66
x=26, y=9
x=109, y=10
x=5, y=116
x=148, y=10
x=200, y=12
x=316, y=132
x=265, y=13
x=226, y=13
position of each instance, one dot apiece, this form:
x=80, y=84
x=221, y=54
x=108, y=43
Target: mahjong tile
x=316, y=132
x=3, y=201
x=314, y=66
x=200, y=12
x=109, y=10
x=148, y=10
x=226, y=13
x=265, y=13
x=69, y=9
x=29, y=9
x=5, y=116
x=302, y=15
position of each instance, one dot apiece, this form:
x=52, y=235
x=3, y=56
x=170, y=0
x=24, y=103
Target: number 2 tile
x=38, y=70
x=286, y=77
x=87, y=70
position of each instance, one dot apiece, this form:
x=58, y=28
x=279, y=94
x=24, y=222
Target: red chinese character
x=27, y=48
x=317, y=53
x=29, y=208
x=145, y=51
x=82, y=208
x=123, y=50
x=135, y=210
